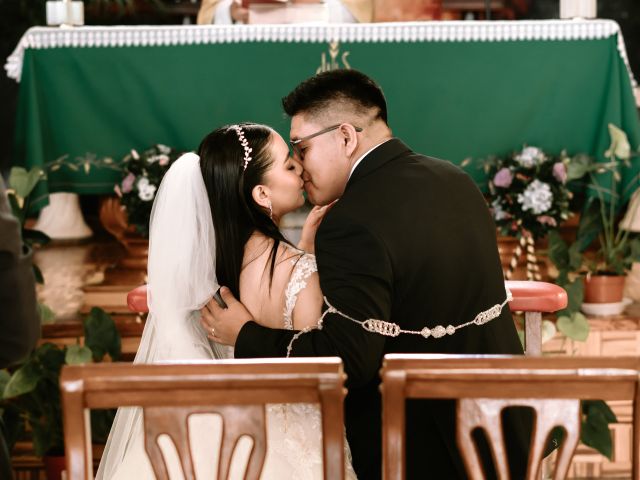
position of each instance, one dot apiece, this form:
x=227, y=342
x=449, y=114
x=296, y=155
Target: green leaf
x=38, y=274
x=46, y=314
x=590, y=225
x=35, y=236
x=43, y=438
x=101, y=421
x=23, y=380
x=521, y=337
x=578, y=167
x=4, y=379
x=548, y=330
x=558, y=252
x=101, y=334
x=619, y=146
x=23, y=181
x=575, y=327
x=77, y=355
x=595, y=429
x=575, y=295
x=634, y=249
x=16, y=207
x=601, y=406
x=575, y=257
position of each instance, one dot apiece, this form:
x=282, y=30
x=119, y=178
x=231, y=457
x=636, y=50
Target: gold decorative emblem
x=336, y=60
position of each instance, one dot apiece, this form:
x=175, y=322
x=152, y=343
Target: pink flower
x=116, y=189
x=547, y=220
x=127, y=183
x=560, y=172
x=503, y=178
x=163, y=160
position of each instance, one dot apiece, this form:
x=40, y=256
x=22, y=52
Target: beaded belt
x=390, y=329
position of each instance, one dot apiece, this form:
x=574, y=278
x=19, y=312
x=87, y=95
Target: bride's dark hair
x=235, y=214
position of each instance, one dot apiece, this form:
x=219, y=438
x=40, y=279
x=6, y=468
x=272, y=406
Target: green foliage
x=22, y=182
x=31, y=393
x=101, y=335
x=46, y=314
x=618, y=247
x=596, y=417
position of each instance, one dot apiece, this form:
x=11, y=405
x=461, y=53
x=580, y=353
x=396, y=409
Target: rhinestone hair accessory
x=245, y=144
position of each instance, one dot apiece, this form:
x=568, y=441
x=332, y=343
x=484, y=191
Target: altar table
x=455, y=90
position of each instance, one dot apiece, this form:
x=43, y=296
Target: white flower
x=537, y=197
x=530, y=157
x=498, y=212
x=143, y=183
x=147, y=194
x=164, y=149
x=135, y=155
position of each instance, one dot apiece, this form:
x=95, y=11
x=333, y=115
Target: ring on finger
x=213, y=331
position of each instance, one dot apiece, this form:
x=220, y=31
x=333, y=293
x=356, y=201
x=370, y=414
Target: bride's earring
x=270, y=210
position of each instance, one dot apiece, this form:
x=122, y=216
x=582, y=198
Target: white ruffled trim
x=463, y=31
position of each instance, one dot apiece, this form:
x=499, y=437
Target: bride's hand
x=310, y=227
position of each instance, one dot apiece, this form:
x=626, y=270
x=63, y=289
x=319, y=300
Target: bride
x=215, y=220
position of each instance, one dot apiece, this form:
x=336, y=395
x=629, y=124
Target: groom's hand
x=223, y=324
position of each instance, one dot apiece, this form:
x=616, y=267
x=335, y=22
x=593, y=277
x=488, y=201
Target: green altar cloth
x=455, y=89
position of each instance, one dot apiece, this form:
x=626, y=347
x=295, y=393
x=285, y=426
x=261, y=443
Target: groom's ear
x=349, y=138
x=261, y=195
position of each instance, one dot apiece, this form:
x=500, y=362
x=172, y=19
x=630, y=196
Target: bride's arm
x=308, y=306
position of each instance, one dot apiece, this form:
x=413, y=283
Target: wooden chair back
x=485, y=385
x=168, y=394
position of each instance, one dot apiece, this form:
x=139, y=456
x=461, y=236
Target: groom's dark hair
x=324, y=91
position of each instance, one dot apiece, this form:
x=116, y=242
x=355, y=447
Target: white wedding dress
x=181, y=280
x=294, y=431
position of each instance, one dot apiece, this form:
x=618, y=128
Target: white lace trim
x=305, y=265
x=476, y=31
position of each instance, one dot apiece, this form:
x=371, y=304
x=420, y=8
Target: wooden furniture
x=533, y=298
x=235, y=389
x=484, y=385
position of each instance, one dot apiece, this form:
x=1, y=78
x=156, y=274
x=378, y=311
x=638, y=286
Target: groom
x=410, y=241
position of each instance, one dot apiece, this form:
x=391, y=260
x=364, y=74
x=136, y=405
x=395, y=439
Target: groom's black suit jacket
x=410, y=241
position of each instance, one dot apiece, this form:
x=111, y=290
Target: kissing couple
x=400, y=239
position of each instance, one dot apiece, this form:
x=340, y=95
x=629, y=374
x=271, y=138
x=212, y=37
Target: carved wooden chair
x=237, y=390
x=485, y=385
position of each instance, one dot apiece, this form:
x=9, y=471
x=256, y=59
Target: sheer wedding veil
x=181, y=279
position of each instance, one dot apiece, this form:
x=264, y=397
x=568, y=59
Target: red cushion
x=531, y=296
x=527, y=297
x=137, y=299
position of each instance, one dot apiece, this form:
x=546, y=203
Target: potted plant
x=617, y=247
x=31, y=393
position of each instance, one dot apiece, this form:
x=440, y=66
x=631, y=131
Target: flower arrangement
x=528, y=192
x=141, y=177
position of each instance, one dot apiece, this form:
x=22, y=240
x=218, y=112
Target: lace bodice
x=304, y=266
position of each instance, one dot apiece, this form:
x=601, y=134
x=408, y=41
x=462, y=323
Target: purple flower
x=560, y=172
x=503, y=178
x=127, y=183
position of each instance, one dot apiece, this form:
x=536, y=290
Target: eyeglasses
x=295, y=144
